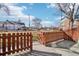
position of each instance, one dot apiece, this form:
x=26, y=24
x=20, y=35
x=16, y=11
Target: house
x=65, y=24
x=11, y=25
x=76, y=23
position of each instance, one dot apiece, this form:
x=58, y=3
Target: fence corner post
x=31, y=44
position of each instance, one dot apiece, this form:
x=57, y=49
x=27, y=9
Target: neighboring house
x=76, y=24
x=11, y=25
x=55, y=28
x=49, y=28
x=65, y=24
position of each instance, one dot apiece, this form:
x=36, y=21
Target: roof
x=12, y=22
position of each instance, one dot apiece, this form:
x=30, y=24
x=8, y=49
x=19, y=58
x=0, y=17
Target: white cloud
x=27, y=17
x=24, y=7
x=46, y=23
x=9, y=4
x=3, y=12
x=17, y=11
x=51, y=5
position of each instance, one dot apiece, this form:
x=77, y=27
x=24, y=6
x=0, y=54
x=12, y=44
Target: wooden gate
x=15, y=42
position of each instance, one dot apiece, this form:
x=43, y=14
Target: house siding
x=10, y=25
x=65, y=25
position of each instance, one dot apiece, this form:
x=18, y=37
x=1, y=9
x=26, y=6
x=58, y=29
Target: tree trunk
x=71, y=27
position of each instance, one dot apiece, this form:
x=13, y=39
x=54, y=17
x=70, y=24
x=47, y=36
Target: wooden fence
x=73, y=34
x=15, y=42
x=47, y=37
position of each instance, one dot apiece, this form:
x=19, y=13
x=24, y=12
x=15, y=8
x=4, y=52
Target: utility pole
x=29, y=20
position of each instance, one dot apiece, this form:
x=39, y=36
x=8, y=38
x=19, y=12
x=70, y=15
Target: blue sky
x=48, y=13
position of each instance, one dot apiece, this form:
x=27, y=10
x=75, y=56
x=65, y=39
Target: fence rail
x=15, y=42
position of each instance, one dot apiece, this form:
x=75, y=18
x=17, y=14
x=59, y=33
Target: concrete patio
x=58, y=50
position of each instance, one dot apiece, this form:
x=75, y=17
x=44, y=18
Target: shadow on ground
x=39, y=53
x=66, y=44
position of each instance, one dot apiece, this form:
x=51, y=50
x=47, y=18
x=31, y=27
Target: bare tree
x=70, y=11
x=37, y=23
x=5, y=8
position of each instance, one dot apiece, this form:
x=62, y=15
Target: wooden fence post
x=31, y=48
x=44, y=38
x=24, y=41
x=17, y=41
x=27, y=40
x=4, y=44
x=13, y=42
x=21, y=41
x=9, y=43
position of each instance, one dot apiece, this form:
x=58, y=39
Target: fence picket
x=27, y=40
x=13, y=42
x=17, y=42
x=4, y=44
x=24, y=41
x=9, y=43
x=21, y=41
x=30, y=41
